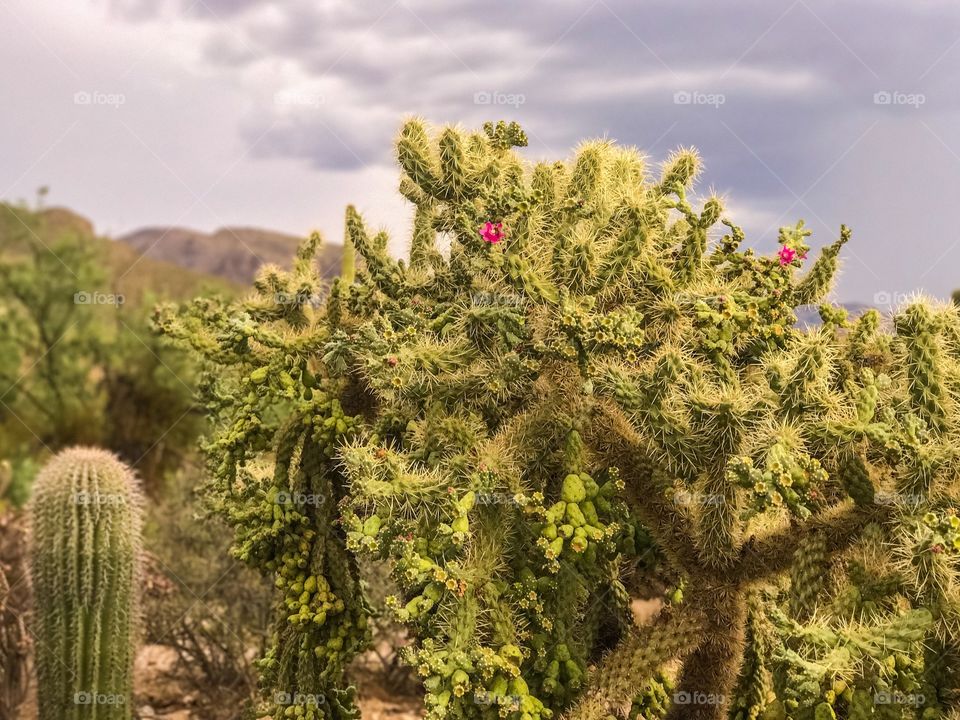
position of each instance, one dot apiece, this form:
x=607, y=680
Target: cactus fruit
x=582, y=364
x=85, y=545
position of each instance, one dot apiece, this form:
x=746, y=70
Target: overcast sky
x=232, y=112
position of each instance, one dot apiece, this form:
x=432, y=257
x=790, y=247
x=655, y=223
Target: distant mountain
x=234, y=253
x=128, y=272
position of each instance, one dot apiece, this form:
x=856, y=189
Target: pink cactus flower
x=787, y=255
x=492, y=232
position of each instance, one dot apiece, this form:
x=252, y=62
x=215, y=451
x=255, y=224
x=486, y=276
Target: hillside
x=131, y=274
x=234, y=253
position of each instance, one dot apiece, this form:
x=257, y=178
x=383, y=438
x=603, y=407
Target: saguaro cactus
x=85, y=547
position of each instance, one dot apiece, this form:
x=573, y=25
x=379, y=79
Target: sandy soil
x=161, y=695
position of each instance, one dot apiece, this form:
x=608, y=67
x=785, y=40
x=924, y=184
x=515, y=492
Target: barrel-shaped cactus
x=85, y=548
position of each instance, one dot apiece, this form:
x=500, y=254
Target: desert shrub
x=384, y=662
x=74, y=370
x=47, y=340
x=14, y=607
x=579, y=369
x=210, y=609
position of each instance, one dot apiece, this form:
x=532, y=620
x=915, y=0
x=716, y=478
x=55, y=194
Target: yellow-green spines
x=413, y=151
x=452, y=164
x=918, y=328
x=754, y=682
x=803, y=389
x=356, y=233
x=807, y=574
x=634, y=661
x=680, y=170
x=817, y=281
x=586, y=181
x=627, y=248
x=348, y=263
x=423, y=244
x=691, y=254
x=856, y=479
x=85, y=546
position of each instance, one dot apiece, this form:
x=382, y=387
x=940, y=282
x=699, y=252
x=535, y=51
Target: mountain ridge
x=235, y=253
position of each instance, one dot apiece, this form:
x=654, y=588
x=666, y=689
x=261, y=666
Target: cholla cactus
x=273, y=399
x=574, y=370
x=85, y=540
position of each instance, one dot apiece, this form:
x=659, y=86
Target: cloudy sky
x=276, y=114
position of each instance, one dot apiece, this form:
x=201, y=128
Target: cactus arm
x=709, y=675
x=817, y=281
x=348, y=263
x=619, y=445
x=719, y=525
x=765, y=556
x=423, y=244
x=630, y=665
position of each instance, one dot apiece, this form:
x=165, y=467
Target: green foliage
x=47, y=340
x=571, y=351
x=279, y=419
x=213, y=638
x=85, y=518
x=15, y=675
x=78, y=364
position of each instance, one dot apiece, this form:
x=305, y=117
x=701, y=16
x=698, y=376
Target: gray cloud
x=781, y=98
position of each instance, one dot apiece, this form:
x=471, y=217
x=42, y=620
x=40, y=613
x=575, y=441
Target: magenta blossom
x=492, y=232
x=788, y=255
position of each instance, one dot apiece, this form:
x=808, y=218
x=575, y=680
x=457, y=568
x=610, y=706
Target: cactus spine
x=85, y=548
